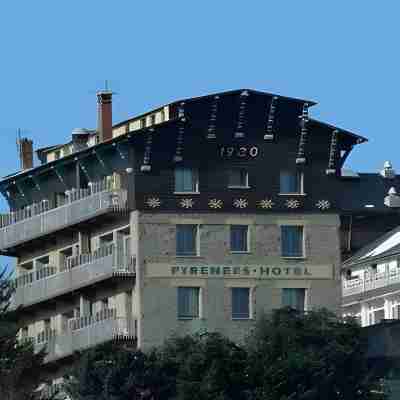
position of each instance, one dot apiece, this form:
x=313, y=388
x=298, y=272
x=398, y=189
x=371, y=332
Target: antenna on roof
x=18, y=143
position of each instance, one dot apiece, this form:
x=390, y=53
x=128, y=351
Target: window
x=143, y=123
x=57, y=154
x=188, y=302
x=376, y=314
x=186, y=180
x=152, y=119
x=238, y=178
x=292, y=241
x=294, y=298
x=291, y=182
x=240, y=303
x=239, y=238
x=186, y=240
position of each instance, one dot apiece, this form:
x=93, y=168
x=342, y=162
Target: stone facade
x=161, y=270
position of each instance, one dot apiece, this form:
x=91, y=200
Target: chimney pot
x=388, y=171
x=104, y=115
x=26, y=153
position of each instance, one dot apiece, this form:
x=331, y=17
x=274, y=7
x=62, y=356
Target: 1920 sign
x=247, y=151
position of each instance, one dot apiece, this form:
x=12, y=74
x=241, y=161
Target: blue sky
x=54, y=55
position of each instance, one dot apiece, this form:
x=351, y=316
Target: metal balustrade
x=37, y=220
x=88, y=335
x=77, y=272
x=370, y=281
x=86, y=320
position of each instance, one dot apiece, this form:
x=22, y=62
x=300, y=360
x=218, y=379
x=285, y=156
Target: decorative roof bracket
x=333, y=153
x=35, y=181
x=239, y=133
x=101, y=161
x=146, y=167
x=59, y=176
x=178, y=157
x=212, y=124
x=269, y=135
x=301, y=158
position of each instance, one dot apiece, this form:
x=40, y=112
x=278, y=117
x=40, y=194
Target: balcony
x=85, y=332
x=80, y=205
x=79, y=271
x=371, y=281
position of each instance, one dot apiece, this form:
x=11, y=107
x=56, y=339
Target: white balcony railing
x=370, y=281
x=100, y=330
x=38, y=220
x=79, y=271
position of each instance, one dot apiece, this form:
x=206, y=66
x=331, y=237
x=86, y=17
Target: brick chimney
x=104, y=115
x=26, y=153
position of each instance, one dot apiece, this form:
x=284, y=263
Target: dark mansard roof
x=360, y=190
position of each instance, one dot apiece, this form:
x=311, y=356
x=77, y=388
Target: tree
x=191, y=367
x=114, y=372
x=20, y=367
x=307, y=356
x=208, y=366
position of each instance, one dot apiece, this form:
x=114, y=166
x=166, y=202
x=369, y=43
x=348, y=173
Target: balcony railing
x=99, y=330
x=77, y=272
x=38, y=219
x=370, y=281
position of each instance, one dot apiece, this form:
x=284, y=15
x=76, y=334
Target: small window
x=143, y=123
x=238, y=178
x=240, y=303
x=292, y=241
x=294, y=298
x=152, y=119
x=186, y=180
x=239, y=238
x=188, y=302
x=57, y=154
x=162, y=115
x=186, y=240
x=291, y=182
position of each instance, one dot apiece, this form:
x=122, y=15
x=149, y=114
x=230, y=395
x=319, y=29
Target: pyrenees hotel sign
x=239, y=271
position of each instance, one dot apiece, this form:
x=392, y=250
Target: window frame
x=305, y=305
x=195, y=175
x=196, y=241
x=238, y=170
x=247, y=241
x=250, y=302
x=300, y=175
x=303, y=242
x=198, y=289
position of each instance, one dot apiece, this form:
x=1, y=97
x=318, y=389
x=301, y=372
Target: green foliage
x=19, y=366
x=309, y=356
x=289, y=355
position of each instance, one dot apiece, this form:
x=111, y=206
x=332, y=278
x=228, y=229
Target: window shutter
x=240, y=303
x=188, y=302
x=293, y=297
x=292, y=241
